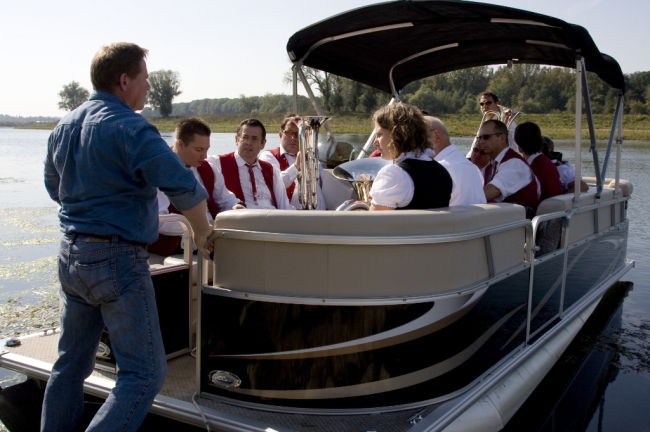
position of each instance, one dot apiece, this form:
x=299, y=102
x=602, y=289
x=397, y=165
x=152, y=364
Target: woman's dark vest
x=432, y=184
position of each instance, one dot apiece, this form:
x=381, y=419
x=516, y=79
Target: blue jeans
x=105, y=282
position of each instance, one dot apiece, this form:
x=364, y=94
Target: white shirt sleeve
x=288, y=176
x=511, y=176
x=393, y=187
x=222, y=196
x=280, y=191
x=567, y=174
x=167, y=228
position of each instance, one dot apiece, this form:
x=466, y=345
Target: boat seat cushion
x=306, y=267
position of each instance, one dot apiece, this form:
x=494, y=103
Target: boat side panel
x=409, y=369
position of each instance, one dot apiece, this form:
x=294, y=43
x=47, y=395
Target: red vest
x=526, y=196
x=284, y=165
x=230, y=172
x=207, y=175
x=548, y=176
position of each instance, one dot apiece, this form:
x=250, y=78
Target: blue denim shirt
x=103, y=165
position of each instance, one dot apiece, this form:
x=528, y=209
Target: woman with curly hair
x=413, y=180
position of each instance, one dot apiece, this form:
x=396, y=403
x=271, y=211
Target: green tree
x=164, y=88
x=72, y=96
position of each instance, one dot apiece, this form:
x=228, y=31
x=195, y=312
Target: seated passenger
x=467, y=179
x=489, y=103
x=480, y=159
x=529, y=139
x=566, y=169
x=191, y=146
x=284, y=159
x=413, y=180
x=510, y=178
x=256, y=183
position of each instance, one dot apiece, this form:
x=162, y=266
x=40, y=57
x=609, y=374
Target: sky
x=224, y=48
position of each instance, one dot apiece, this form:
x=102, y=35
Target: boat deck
x=175, y=399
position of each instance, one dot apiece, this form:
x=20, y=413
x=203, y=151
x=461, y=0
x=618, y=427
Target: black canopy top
x=420, y=38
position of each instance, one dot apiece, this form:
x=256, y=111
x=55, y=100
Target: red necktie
x=491, y=172
x=252, y=176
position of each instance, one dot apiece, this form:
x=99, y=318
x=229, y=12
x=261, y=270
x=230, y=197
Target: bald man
x=467, y=180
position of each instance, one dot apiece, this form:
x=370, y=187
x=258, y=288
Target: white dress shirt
x=290, y=176
x=264, y=200
x=511, y=176
x=567, y=174
x=222, y=196
x=467, y=179
x=393, y=187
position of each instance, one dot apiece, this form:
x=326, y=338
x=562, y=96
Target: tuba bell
x=309, y=176
x=503, y=114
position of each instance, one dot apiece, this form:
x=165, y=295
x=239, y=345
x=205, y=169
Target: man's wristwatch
x=241, y=203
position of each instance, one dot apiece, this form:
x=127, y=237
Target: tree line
x=528, y=88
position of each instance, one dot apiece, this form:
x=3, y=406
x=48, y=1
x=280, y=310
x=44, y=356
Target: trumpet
x=503, y=114
x=309, y=177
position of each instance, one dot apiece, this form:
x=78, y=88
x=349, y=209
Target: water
x=29, y=236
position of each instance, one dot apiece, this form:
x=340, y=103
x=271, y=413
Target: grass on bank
x=636, y=127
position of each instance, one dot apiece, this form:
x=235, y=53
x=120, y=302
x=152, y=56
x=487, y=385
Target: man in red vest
x=191, y=146
x=529, y=139
x=256, y=183
x=284, y=158
x=508, y=178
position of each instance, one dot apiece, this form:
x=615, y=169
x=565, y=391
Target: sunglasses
x=486, y=136
x=486, y=103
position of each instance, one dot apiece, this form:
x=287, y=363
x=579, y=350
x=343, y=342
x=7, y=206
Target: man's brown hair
x=189, y=126
x=494, y=97
x=251, y=122
x=288, y=118
x=408, y=130
x=113, y=60
x=499, y=127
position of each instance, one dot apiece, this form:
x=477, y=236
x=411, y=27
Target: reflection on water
x=29, y=290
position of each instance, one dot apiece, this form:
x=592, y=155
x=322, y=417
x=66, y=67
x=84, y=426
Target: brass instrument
x=503, y=114
x=309, y=177
x=360, y=173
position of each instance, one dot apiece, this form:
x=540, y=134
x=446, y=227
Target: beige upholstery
x=625, y=186
x=583, y=224
x=359, y=271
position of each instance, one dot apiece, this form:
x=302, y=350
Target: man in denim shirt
x=103, y=165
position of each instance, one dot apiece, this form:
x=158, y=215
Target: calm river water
x=29, y=236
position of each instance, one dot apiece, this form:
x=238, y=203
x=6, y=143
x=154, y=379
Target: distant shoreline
x=636, y=127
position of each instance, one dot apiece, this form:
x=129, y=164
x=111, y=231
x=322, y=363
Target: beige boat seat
x=583, y=224
x=321, y=257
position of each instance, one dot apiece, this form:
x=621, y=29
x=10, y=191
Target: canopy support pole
x=592, y=131
x=578, y=161
x=612, y=134
x=365, y=151
x=294, y=74
x=619, y=146
x=314, y=101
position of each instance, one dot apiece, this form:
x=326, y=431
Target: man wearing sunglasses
x=284, y=159
x=489, y=101
x=508, y=177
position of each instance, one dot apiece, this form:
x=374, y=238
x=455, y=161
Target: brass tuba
x=360, y=173
x=309, y=176
x=503, y=114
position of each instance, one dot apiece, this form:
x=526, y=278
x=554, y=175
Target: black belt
x=113, y=238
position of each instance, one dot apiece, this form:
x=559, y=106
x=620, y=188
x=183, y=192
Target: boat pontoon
x=410, y=320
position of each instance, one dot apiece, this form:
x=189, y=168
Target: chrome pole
x=295, y=88
x=612, y=134
x=314, y=101
x=371, y=139
x=592, y=132
x=619, y=147
x=578, y=161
